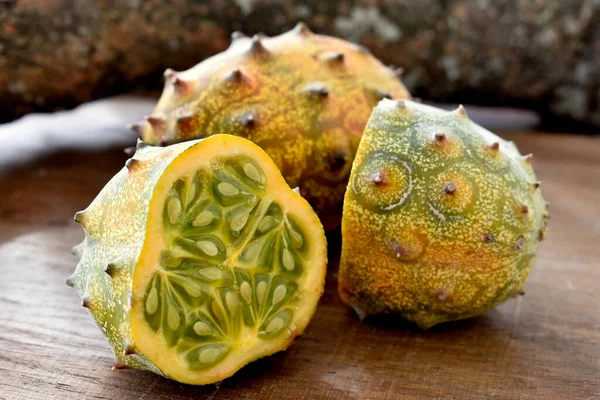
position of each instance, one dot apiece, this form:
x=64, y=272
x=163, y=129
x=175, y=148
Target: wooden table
x=541, y=346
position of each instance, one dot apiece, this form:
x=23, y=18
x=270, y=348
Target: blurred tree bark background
x=538, y=54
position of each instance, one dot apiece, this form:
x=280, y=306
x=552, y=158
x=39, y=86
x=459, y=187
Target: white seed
x=267, y=223
x=275, y=325
x=191, y=193
x=212, y=273
x=152, y=301
x=209, y=355
x=252, y=250
x=227, y=189
x=232, y=301
x=246, y=292
x=296, y=239
x=192, y=290
x=203, y=219
x=288, y=260
x=261, y=292
x=279, y=294
x=239, y=221
x=173, y=319
x=252, y=173
x=202, y=329
x=208, y=247
x=174, y=209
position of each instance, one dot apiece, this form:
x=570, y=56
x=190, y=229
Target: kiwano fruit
x=198, y=258
x=442, y=218
x=304, y=98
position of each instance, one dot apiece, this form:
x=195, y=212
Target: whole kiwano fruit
x=304, y=98
x=198, y=258
x=442, y=218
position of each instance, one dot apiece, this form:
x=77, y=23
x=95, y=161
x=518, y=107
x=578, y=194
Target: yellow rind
x=268, y=90
x=430, y=259
x=123, y=228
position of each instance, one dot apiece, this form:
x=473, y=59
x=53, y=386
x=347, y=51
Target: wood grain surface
x=544, y=345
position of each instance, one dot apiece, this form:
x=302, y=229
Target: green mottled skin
x=115, y=226
x=442, y=219
x=304, y=98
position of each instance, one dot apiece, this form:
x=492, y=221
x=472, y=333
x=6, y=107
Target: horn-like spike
x=248, y=120
x=112, y=269
x=70, y=281
x=316, y=89
x=527, y=158
x=536, y=185
x=118, y=364
x=461, y=111
x=256, y=46
x=400, y=104
x=182, y=86
x=494, y=146
x=332, y=57
x=439, y=137
x=169, y=74
x=86, y=302
x=130, y=349
x=129, y=151
x=302, y=29
x=77, y=249
x=234, y=76
x=79, y=217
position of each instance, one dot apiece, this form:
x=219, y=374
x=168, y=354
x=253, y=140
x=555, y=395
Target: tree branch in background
x=542, y=55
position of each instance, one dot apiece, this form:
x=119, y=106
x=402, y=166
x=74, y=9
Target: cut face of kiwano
x=304, y=98
x=442, y=218
x=198, y=258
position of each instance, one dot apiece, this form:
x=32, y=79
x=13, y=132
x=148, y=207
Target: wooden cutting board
x=544, y=345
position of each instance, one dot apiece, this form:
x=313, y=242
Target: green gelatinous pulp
x=232, y=261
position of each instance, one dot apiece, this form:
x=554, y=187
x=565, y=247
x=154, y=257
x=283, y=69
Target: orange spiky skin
x=304, y=98
x=442, y=218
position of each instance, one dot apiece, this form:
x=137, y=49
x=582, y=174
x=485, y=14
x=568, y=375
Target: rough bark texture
x=542, y=54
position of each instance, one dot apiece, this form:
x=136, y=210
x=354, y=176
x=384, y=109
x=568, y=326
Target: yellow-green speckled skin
x=442, y=218
x=115, y=227
x=304, y=98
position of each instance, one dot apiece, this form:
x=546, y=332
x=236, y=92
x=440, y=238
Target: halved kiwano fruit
x=232, y=266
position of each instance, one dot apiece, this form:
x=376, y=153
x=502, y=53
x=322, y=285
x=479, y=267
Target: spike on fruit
x=80, y=217
x=489, y=238
x=536, y=185
x=248, y=120
x=528, y=158
x=181, y=86
x=378, y=178
x=494, y=146
x=450, y=188
x=130, y=349
x=400, y=104
x=256, y=47
x=302, y=29
x=438, y=206
x=70, y=281
x=461, y=111
x=86, y=302
x=524, y=209
x=169, y=74
x=201, y=313
x=118, y=365
x=332, y=57
x=234, y=76
x=439, y=137
x=111, y=269
x=273, y=88
x=131, y=164
x=316, y=89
